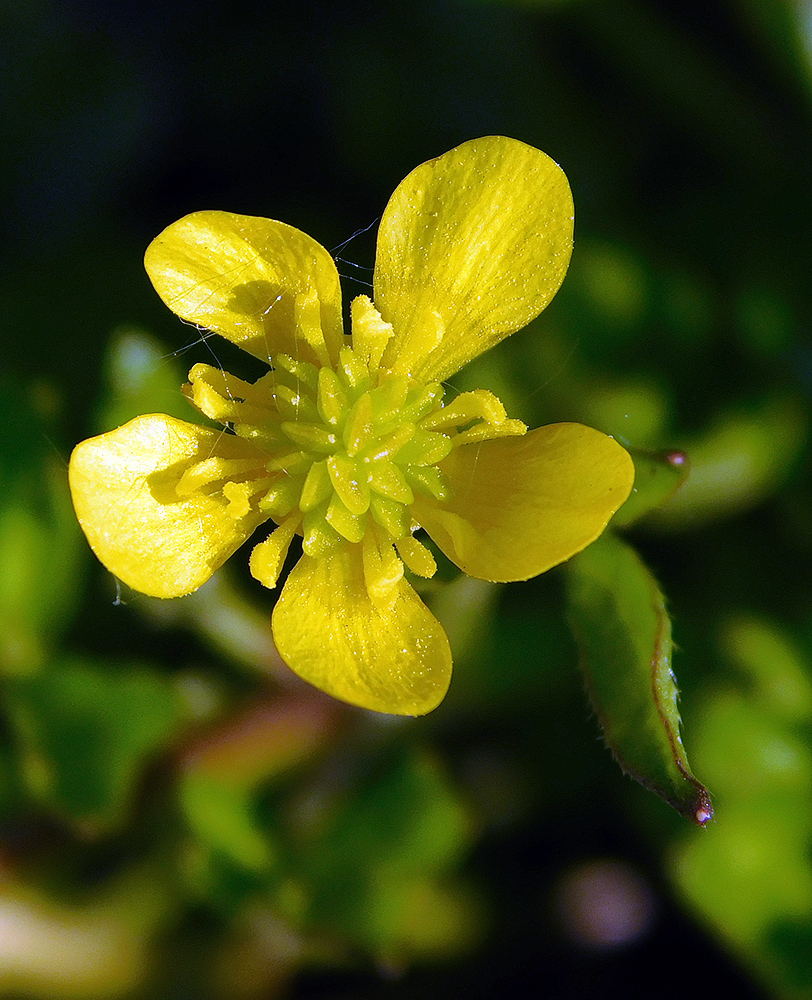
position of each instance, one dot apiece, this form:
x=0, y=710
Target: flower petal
x=390, y=655
x=124, y=491
x=521, y=505
x=265, y=286
x=471, y=247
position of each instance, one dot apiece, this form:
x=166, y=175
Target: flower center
x=347, y=451
x=338, y=454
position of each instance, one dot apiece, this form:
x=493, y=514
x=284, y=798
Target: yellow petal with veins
x=521, y=505
x=389, y=656
x=124, y=489
x=471, y=247
x=265, y=286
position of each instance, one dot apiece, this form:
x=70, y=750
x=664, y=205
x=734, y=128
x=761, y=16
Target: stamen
x=358, y=429
x=227, y=385
x=392, y=516
x=350, y=483
x=487, y=432
x=383, y=570
x=314, y=437
x=428, y=479
x=477, y=405
x=302, y=371
x=389, y=446
x=268, y=437
x=425, y=448
x=239, y=497
x=331, y=401
x=416, y=556
x=388, y=399
x=213, y=470
x=292, y=405
x=317, y=486
x=427, y=399
x=370, y=333
x=292, y=462
x=307, y=314
x=387, y=479
x=216, y=407
x=281, y=498
x=353, y=370
x=344, y=521
x=319, y=537
x=268, y=557
x=224, y=397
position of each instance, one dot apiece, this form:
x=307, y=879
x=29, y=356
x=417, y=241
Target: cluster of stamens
x=337, y=454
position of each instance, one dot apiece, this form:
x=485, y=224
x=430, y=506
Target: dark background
x=684, y=322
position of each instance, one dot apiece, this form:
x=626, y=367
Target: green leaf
x=657, y=477
x=85, y=732
x=624, y=633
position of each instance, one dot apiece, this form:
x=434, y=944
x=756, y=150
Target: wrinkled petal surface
x=471, y=247
x=524, y=504
x=124, y=491
x=260, y=283
x=390, y=656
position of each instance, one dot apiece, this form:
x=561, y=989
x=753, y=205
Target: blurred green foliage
x=180, y=818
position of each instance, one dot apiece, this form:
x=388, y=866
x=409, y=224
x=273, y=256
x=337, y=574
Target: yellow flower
x=348, y=441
